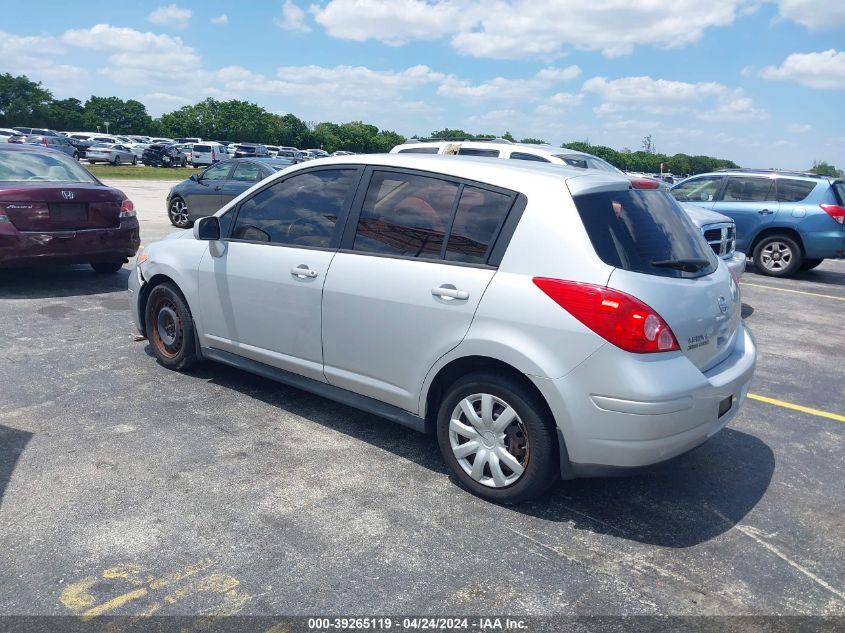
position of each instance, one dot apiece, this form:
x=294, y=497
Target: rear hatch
x=660, y=257
x=71, y=207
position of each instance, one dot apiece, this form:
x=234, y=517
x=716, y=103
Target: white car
x=205, y=154
x=543, y=322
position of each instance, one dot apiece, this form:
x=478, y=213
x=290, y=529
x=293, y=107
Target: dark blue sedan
x=208, y=191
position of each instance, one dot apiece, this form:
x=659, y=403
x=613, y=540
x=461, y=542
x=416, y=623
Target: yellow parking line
x=798, y=407
x=797, y=292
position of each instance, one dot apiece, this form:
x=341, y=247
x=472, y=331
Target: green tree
x=123, y=117
x=22, y=102
x=824, y=169
x=509, y=137
x=534, y=141
x=292, y=131
x=64, y=114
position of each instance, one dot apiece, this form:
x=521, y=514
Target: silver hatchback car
x=543, y=322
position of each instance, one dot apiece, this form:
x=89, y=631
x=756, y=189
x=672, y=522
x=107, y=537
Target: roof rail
x=457, y=139
x=771, y=170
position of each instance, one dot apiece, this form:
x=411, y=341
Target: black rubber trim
x=370, y=405
x=507, y=230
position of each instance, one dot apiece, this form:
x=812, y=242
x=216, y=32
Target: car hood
x=702, y=216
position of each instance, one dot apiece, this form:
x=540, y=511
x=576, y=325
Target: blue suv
x=786, y=221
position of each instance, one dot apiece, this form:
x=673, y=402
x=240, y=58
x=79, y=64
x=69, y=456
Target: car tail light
x=127, y=209
x=617, y=317
x=834, y=211
x=644, y=183
x=45, y=142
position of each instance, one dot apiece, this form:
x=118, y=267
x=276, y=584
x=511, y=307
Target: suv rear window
x=633, y=229
x=201, y=148
x=419, y=150
x=472, y=151
x=839, y=189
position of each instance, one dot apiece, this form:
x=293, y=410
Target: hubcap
x=179, y=212
x=489, y=440
x=776, y=256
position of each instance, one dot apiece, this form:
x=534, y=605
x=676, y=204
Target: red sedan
x=54, y=211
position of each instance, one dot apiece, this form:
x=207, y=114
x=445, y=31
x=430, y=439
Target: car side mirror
x=194, y=177
x=207, y=229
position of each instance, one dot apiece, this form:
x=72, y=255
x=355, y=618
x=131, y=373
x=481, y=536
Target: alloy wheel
x=776, y=256
x=179, y=213
x=489, y=440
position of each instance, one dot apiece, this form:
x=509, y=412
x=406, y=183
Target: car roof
x=765, y=173
x=508, y=174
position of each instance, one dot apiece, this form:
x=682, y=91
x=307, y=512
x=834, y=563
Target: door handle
x=303, y=272
x=449, y=291
x=765, y=212
x=218, y=188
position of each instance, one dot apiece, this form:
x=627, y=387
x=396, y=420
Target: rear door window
x=474, y=151
x=748, y=189
x=793, y=190
x=419, y=150
x=635, y=229
x=524, y=156
x=477, y=222
x=247, y=172
x=405, y=215
x=703, y=189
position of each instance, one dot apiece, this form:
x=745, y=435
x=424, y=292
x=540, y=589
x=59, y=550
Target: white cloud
x=815, y=15
x=816, y=70
x=36, y=57
x=513, y=29
x=631, y=125
x=501, y=89
x=140, y=57
x=740, y=109
x=293, y=18
x=799, y=128
x=171, y=15
x=393, y=22
x=220, y=19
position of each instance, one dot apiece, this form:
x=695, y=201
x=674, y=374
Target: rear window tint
x=419, y=150
x=633, y=229
x=202, y=148
x=792, y=190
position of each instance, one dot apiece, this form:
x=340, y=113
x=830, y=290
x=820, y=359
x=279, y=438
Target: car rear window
x=202, y=148
x=472, y=151
x=419, y=150
x=839, y=189
x=45, y=167
x=633, y=229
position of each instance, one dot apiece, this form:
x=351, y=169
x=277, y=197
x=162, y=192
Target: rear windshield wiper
x=687, y=265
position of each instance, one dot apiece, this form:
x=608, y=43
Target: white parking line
x=797, y=292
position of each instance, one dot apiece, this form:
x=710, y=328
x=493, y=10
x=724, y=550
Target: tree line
x=27, y=103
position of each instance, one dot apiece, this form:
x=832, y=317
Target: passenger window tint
x=247, y=172
x=472, y=151
x=790, y=190
x=748, y=189
x=300, y=211
x=217, y=172
x=524, y=156
x=405, y=214
x=480, y=214
x=698, y=189
x=419, y=150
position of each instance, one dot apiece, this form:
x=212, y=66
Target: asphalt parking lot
x=129, y=489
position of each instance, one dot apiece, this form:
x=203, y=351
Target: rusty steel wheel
x=170, y=327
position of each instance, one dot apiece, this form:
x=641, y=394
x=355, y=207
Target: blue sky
x=760, y=82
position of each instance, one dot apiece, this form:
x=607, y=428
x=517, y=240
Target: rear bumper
x=27, y=248
x=620, y=411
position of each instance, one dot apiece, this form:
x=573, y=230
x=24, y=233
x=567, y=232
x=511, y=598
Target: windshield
x=46, y=167
x=644, y=232
x=839, y=188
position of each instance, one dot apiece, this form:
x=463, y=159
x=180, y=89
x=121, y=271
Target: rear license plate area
x=68, y=215
x=725, y=405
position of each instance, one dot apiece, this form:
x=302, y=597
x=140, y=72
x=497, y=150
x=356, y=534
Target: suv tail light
x=834, y=211
x=617, y=317
x=127, y=209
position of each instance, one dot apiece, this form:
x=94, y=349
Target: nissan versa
x=542, y=321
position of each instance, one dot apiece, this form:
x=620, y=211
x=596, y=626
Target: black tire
x=170, y=327
x=178, y=215
x=184, y=162
x=809, y=264
x=777, y=256
x=76, y=156
x=116, y=160
x=106, y=268
x=134, y=160
x=91, y=162
x=539, y=453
